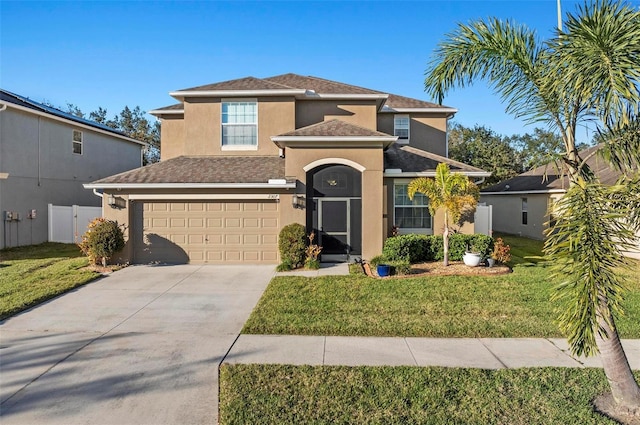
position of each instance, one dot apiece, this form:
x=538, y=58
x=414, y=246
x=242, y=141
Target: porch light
x=298, y=201
x=111, y=200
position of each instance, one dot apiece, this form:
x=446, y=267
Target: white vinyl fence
x=68, y=224
x=484, y=219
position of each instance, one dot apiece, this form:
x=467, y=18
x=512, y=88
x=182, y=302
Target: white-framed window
x=401, y=124
x=410, y=215
x=239, y=124
x=525, y=219
x=77, y=142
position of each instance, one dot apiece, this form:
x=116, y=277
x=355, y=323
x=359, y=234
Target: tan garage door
x=207, y=232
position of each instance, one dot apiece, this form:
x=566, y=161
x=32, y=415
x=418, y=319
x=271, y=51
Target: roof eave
x=450, y=112
x=159, y=112
x=182, y=94
x=338, y=141
x=414, y=174
x=290, y=185
x=525, y=192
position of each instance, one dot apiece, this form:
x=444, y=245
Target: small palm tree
x=587, y=73
x=453, y=192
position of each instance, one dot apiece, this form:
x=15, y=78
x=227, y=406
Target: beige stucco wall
x=507, y=214
x=427, y=131
x=172, y=137
x=203, y=132
x=372, y=189
x=362, y=113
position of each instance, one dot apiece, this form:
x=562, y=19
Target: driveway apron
x=140, y=346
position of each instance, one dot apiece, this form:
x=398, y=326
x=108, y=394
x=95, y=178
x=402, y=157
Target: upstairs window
x=239, y=124
x=77, y=142
x=410, y=214
x=401, y=127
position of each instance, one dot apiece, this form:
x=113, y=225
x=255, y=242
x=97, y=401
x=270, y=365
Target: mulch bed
x=455, y=268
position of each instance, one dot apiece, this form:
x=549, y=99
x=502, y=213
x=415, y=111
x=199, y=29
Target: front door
x=334, y=226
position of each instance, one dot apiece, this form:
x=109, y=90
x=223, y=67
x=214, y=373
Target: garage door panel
x=208, y=232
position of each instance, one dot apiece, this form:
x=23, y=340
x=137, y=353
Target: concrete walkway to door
x=141, y=346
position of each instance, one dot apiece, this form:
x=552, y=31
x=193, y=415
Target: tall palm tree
x=453, y=192
x=587, y=73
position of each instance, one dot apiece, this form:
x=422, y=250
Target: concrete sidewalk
x=484, y=353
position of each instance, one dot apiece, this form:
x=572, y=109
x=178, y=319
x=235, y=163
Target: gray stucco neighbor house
x=45, y=157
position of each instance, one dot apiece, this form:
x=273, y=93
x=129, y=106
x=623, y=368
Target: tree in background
x=587, y=73
x=484, y=148
x=453, y=192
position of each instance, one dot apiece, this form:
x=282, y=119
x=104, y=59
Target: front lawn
x=32, y=274
x=273, y=394
x=512, y=305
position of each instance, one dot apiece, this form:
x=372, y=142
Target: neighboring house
x=521, y=205
x=241, y=159
x=45, y=157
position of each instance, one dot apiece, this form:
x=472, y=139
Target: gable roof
x=408, y=161
x=548, y=178
x=335, y=128
x=26, y=104
x=200, y=171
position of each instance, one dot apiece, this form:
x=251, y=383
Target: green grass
x=270, y=394
x=512, y=305
x=33, y=274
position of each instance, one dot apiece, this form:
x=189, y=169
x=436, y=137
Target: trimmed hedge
x=423, y=248
x=292, y=246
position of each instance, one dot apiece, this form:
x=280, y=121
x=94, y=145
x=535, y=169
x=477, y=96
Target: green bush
x=423, y=248
x=292, y=244
x=285, y=266
x=377, y=260
x=312, y=263
x=400, y=267
x=102, y=239
x=413, y=247
x=459, y=244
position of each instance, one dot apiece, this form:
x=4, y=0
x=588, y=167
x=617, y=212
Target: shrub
x=401, y=267
x=501, y=251
x=312, y=252
x=285, y=266
x=413, y=247
x=102, y=239
x=377, y=260
x=291, y=244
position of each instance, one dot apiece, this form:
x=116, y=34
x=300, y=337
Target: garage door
x=206, y=232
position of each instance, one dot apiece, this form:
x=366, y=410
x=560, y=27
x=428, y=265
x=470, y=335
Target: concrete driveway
x=141, y=346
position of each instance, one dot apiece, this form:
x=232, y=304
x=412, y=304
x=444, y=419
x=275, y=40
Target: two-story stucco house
x=243, y=158
x=45, y=157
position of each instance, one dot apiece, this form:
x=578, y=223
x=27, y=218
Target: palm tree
x=588, y=72
x=453, y=192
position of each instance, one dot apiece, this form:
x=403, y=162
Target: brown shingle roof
x=204, y=169
x=334, y=128
x=395, y=101
x=177, y=106
x=247, y=83
x=319, y=85
x=548, y=177
x=412, y=160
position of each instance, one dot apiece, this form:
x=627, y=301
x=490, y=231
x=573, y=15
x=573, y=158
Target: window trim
x=406, y=230
x=75, y=142
x=222, y=125
x=401, y=140
x=524, y=206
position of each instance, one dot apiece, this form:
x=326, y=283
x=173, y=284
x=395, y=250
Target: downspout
x=39, y=148
x=98, y=194
x=479, y=182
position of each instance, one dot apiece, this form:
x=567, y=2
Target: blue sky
x=113, y=54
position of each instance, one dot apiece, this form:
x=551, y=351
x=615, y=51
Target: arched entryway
x=335, y=213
